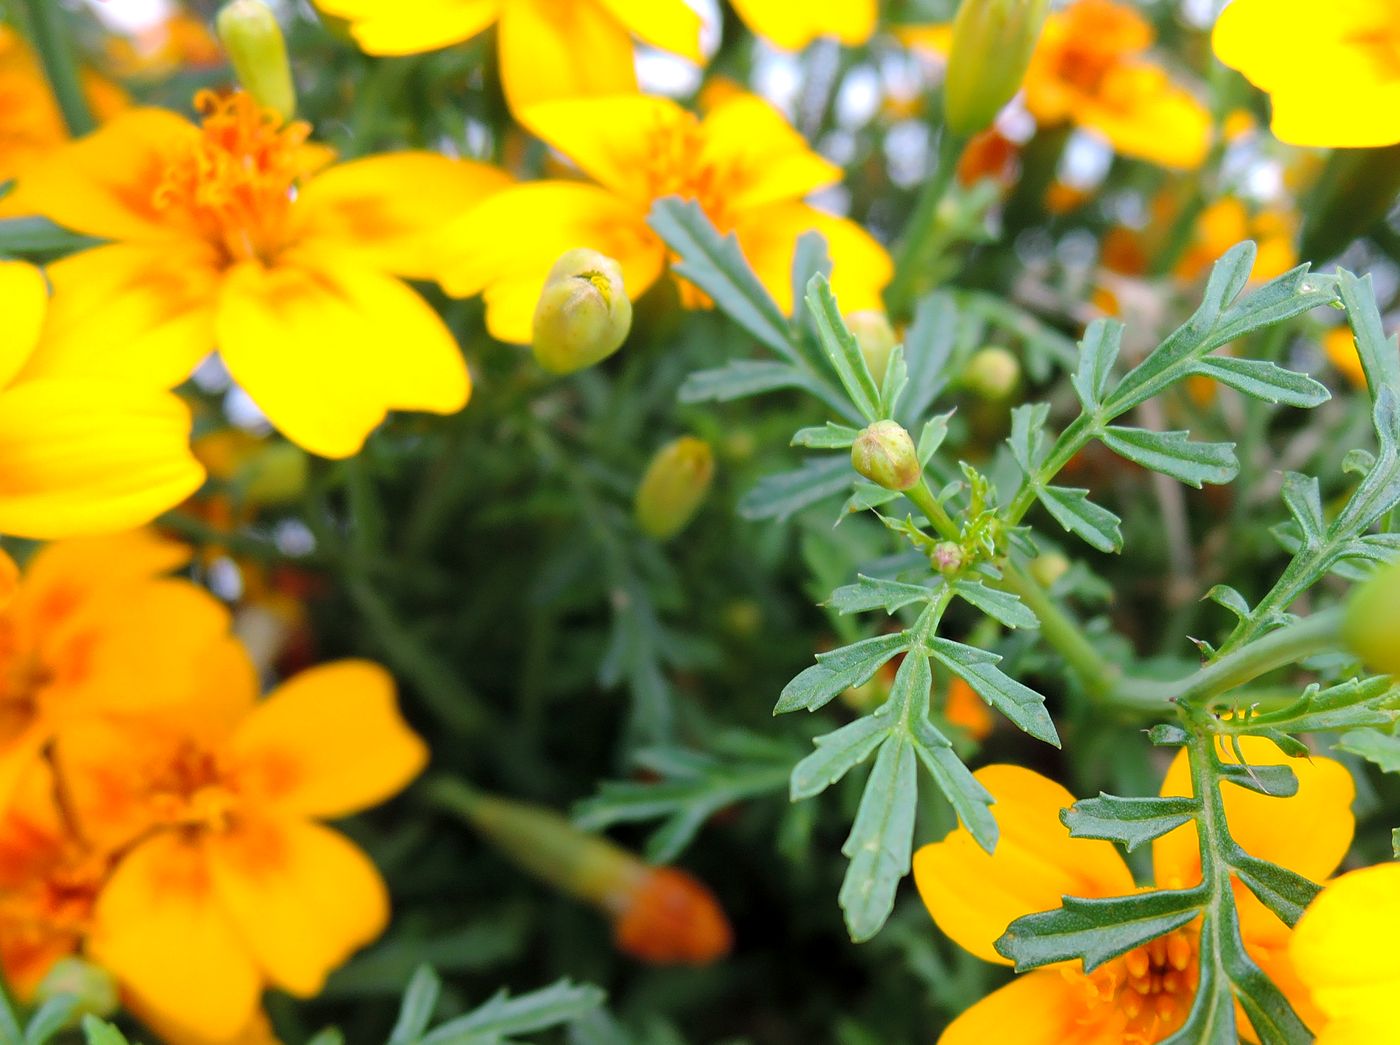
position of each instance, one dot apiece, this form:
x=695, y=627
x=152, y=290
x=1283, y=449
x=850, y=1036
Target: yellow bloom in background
x=1340, y=346
x=80, y=452
x=1147, y=993
x=226, y=881
x=95, y=629
x=548, y=49
x=792, y=26
x=1344, y=951
x=1089, y=69
x=1226, y=222
x=744, y=165
x=231, y=236
x=1332, y=73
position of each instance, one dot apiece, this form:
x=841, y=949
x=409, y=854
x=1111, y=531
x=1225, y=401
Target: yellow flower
x=80, y=453
x=1146, y=994
x=1340, y=347
x=745, y=166
x=1088, y=69
x=1333, y=73
x=1227, y=221
x=792, y=26
x=1344, y=951
x=227, y=238
x=226, y=882
x=548, y=49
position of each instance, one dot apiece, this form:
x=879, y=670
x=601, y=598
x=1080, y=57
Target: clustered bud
x=583, y=315
x=991, y=48
x=673, y=486
x=876, y=338
x=947, y=557
x=258, y=53
x=884, y=453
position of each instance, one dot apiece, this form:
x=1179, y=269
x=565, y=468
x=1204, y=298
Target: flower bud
x=947, y=557
x=258, y=53
x=673, y=486
x=1371, y=626
x=992, y=373
x=583, y=315
x=1048, y=568
x=92, y=986
x=873, y=333
x=885, y=455
x=991, y=48
x=671, y=918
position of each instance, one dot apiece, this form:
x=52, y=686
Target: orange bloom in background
x=1089, y=69
x=1340, y=346
x=792, y=26
x=548, y=50
x=1226, y=222
x=181, y=40
x=95, y=629
x=80, y=453
x=666, y=916
x=1331, y=73
x=963, y=707
x=226, y=882
x=744, y=165
x=1146, y=994
x=233, y=236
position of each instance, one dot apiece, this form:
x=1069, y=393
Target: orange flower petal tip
x=672, y=918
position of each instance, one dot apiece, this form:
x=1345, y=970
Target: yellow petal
x=974, y=896
x=1340, y=347
x=19, y=754
x=303, y=897
x=1266, y=826
x=83, y=564
x=412, y=26
x=860, y=267
x=505, y=247
x=133, y=313
x=81, y=457
x=330, y=742
x=767, y=160
x=1146, y=116
x=550, y=50
x=1044, y=1007
x=668, y=24
x=24, y=298
x=160, y=928
x=386, y=211
x=792, y=26
x=326, y=349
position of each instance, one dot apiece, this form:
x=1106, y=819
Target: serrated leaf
x=1021, y=704
x=1380, y=357
x=1027, y=438
x=1265, y=380
x=836, y=755
x=1174, y=454
x=1128, y=821
x=839, y=670
x=1270, y=1015
x=896, y=381
x=1373, y=701
x=743, y=377
x=928, y=344
x=1000, y=605
x=1275, y=781
x=1211, y=1020
x=881, y=841
x=841, y=349
x=1097, y=930
x=872, y=593
x=931, y=437
x=1098, y=351
x=1091, y=523
x=1382, y=749
x=969, y=799
x=504, y=1016
x=829, y=436
x=1281, y=298
x=1284, y=892
x=1304, y=502
x=1228, y=597
x=780, y=496
x=416, y=1011
x=867, y=495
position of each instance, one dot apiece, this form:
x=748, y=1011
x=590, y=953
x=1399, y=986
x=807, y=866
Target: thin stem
x=1097, y=675
x=936, y=514
x=920, y=235
x=48, y=30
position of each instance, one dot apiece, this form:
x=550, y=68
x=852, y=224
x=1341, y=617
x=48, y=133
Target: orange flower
x=1226, y=222
x=792, y=26
x=226, y=882
x=1340, y=347
x=667, y=917
x=963, y=707
x=1146, y=994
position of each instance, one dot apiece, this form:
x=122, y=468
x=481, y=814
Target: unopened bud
x=947, y=557
x=91, y=986
x=583, y=315
x=258, y=53
x=875, y=336
x=1048, y=568
x=671, y=918
x=885, y=455
x=991, y=48
x=1371, y=626
x=673, y=486
x=992, y=373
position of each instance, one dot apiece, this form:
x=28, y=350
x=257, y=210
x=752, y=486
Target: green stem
x=49, y=32
x=921, y=235
x=936, y=514
x=1097, y=675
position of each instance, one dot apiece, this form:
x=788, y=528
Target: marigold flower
x=792, y=26
x=226, y=882
x=745, y=166
x=1088, y=69
x=1343, y=949
x=1226, y=222
x=1146, y=994
x=1350, y=97
x=547, y=50
x=227, y=237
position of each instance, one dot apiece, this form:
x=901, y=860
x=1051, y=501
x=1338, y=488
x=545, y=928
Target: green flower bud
x=885, y=455
x=876, y=339
x=947, y=557
x=1371, y=627
x=1048, y=568
x=258, y=53
x=673, y=486
x=276, y=474
x=583, y=315
x=992, y=373
x=991, y=48
x=92, y=986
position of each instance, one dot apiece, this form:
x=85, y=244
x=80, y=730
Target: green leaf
x=1282, y=298
x=782, y=495
x=1264, y=380
x=503, y=1016
x=1165, y=735
x=1021, y=704
x=1128, y=821
x=1382, y=749
x=1174, y=454
x=1282, y=891
x=1269, y=1012
x=1275, y=781
x=743, y=377
x=810, y=257
x=1228, y=597
x=1027, y=438
x=928, y=345
x=416, y=1012
x=327, y=1036
x=873, y=593
x=836, y=755
x=881, y=841
x=1304, y=501
x=1098, y=351
x=1072, y=509
x=100, y=1032
x=841, y=348
x=1373, y=701
x=51, y=1018
x=997, y=604
x=10, y=1033
x=867, y=495
x=1097, y=930
x=716, y=265
x=1212, y=1017
x=1380, y=357
x=40, y=236
x=931, y=437
x=829, y=436
x=969, y=799
x=896, y=381
x=838, y=670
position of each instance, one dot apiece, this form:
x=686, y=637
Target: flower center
x=190, y=788
x=236, y=183
x=1146, y=994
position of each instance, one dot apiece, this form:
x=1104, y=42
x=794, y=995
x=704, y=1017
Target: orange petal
x=330, y=742
x=767, y=159
x=974, y=896
x=550, y=50
x=1044, y=1007
x=161, y=929
x=65, y=572
x=301, y=895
